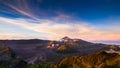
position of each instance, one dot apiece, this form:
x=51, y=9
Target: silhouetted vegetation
x=39, y=65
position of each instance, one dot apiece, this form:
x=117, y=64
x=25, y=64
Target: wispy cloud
x=22, y=7
x=32, y=10
x=60, y=16
x=15, y=36
x=55, y=30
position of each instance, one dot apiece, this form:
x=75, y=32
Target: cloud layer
x=51, y=29
x=59, y=24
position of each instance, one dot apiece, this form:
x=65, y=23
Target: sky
x=54, y=19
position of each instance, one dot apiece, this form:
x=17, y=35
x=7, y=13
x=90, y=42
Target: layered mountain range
x=34, y=50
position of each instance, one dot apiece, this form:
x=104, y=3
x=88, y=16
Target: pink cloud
x=57, y=30
x=61, y=16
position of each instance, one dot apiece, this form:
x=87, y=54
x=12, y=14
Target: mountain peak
x=66, y=37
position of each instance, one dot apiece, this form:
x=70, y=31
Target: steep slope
x=97, y=60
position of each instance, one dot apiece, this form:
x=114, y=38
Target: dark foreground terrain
x=66, y=53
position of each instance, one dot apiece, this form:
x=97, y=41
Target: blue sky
x=53, y=19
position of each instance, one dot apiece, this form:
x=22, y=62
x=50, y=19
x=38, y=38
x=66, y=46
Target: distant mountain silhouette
x=23, y=41
x=80, y=41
